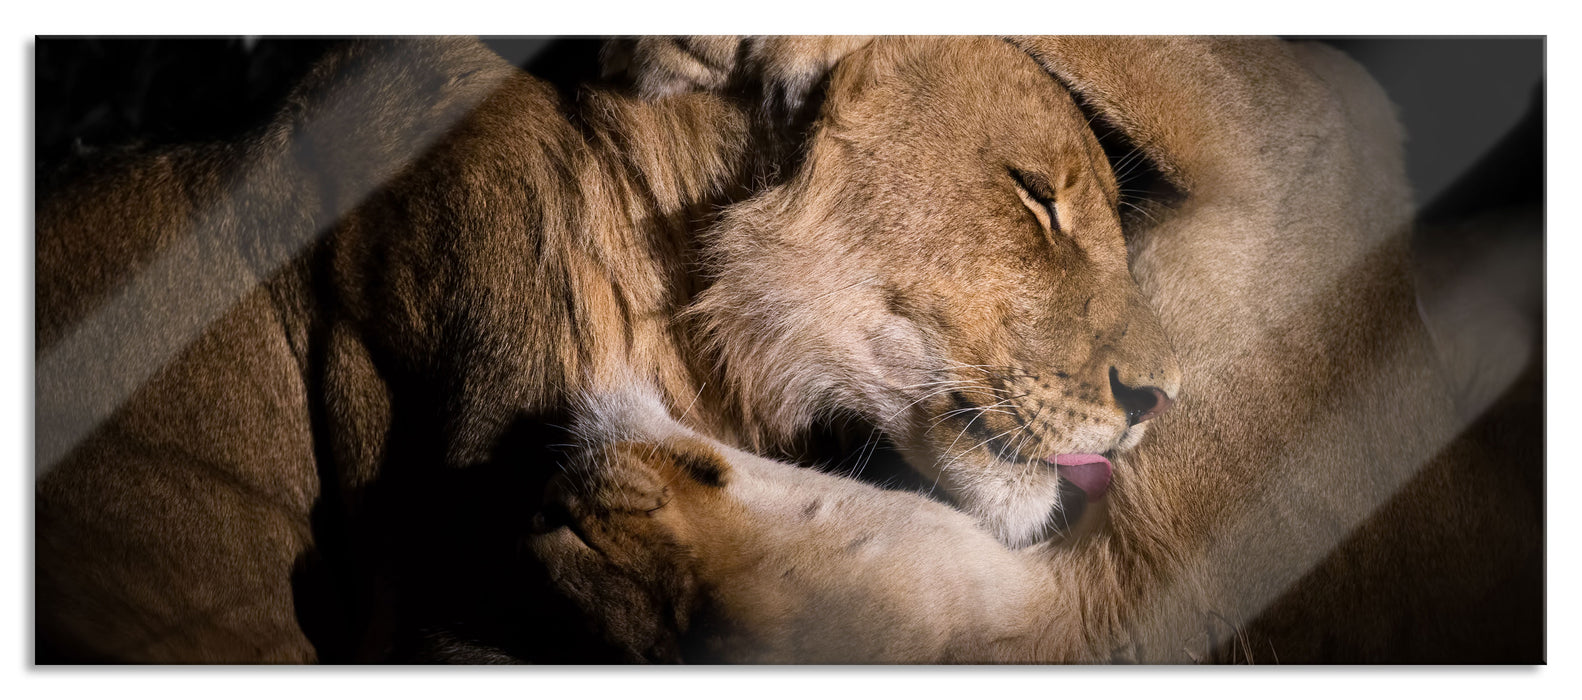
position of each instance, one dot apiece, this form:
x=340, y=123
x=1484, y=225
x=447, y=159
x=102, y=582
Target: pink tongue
x=1091, y=473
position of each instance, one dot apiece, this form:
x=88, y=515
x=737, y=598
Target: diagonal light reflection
x=1370, y=444
x=235, y=245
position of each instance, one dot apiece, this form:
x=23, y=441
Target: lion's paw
x=615, y=533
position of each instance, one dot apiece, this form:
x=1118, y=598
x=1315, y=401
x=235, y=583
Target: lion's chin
x=1024, y=513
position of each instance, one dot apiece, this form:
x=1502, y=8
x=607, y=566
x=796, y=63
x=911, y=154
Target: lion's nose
x=1139, y=403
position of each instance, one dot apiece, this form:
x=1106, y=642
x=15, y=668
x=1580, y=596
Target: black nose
x=1139, y=403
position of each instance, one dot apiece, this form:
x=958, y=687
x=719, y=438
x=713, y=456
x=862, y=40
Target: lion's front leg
x=679, y=547
x=616, y=533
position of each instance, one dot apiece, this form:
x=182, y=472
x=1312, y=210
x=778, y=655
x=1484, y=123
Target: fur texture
x=948, y=264
x=1316, y=497
x=440, y=254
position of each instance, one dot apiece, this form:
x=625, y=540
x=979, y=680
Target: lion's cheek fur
x=799, y=335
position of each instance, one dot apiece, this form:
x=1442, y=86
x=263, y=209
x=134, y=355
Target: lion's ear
x=789, y=74
x=782, y=78
x=661, y=66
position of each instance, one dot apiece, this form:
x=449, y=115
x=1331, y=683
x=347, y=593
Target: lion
x=1316, y=496
x=948, y=263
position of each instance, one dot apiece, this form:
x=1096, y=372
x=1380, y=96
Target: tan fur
x=487, y=260
x=786, y=68
x=176, y=456
x=777, y=563
x=901, y=276
x=1315, y=496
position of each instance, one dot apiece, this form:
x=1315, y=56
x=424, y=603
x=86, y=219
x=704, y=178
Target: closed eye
x=1039, y=198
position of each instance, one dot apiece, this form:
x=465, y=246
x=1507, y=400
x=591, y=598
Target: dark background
x=1456, y=96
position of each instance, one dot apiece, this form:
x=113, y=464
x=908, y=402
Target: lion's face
x=950, y=265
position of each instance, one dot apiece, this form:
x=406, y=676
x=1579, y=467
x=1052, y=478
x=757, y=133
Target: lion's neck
x=656, y=175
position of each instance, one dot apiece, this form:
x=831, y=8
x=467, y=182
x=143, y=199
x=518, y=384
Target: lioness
x=1315, y=498
x=948, y=263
